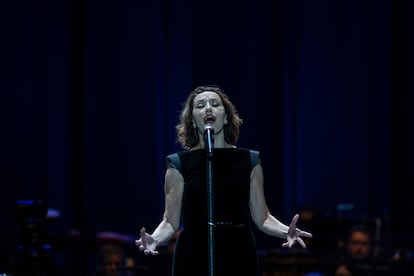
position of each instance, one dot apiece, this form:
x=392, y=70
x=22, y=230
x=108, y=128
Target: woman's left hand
x=294, y=234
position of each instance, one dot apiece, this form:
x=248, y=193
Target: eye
x=215, y=103
x=200, y=105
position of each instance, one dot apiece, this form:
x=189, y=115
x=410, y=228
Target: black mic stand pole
x=209, y=143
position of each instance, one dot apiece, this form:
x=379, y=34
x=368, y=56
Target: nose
x=208, y=106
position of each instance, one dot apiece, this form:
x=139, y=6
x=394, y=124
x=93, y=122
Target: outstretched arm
x=265, y=221
x=173, y=189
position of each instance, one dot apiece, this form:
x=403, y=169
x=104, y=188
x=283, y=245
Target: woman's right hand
x=146, y=243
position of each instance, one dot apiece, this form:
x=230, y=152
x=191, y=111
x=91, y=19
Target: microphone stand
x=209, y=143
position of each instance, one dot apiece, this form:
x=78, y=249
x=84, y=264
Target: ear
x=225, y=119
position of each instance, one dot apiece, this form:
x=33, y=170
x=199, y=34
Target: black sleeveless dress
x=234, y=247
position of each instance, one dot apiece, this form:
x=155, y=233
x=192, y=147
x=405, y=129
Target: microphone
x=209, y=139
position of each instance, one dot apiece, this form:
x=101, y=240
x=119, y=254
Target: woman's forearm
x=164, y=232
x=274, y=227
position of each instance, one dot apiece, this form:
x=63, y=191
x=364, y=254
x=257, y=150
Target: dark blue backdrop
x=91, y=92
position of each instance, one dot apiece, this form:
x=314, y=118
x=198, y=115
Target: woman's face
x=208, y=109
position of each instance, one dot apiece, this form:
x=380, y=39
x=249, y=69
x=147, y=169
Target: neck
x=219, y=141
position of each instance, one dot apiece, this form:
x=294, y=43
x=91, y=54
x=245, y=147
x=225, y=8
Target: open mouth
x=209, y=119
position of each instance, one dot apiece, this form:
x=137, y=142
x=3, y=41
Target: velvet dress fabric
x=234, y=243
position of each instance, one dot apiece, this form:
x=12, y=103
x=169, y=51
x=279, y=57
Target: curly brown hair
x=187, y=135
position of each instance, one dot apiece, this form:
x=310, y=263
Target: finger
x=137, y=242
x=289, y=243
x=143, y=238
x=294, y=220
x=301, y=242
x=291, y=231
x=152, y=252
x=141, y=247
x=305, y=234
x=292, y=226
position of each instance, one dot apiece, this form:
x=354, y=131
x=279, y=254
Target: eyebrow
x=211, y=99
